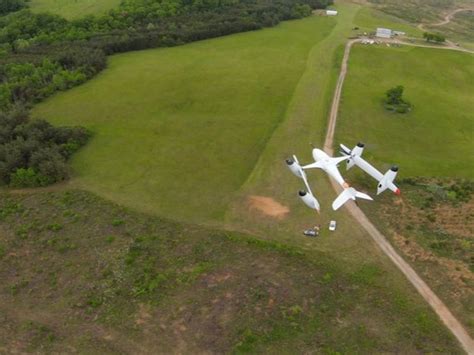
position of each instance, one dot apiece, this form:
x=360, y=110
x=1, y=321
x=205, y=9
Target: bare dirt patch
x=268, y=206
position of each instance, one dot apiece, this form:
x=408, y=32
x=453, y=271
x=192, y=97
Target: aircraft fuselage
x=328, y=166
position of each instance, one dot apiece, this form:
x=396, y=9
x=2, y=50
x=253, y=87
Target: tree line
x=42, y=53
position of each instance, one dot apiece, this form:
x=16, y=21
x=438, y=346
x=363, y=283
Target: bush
x=7, y=6
x=26, y=178
x=433, y=37
x=33, y=152
x=394, y=101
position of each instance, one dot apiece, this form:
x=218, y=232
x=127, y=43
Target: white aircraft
x=329, y=165
x=385, y=181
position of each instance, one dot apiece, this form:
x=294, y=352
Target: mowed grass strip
x=178, y=130
x=72, y=9
x=436, y=138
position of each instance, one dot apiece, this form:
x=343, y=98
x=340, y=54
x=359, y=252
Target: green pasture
x=436, y=138
x=72, y=9
x=368, y=19
x=177, y=131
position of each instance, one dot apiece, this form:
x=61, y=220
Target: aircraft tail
x=387, y=181
x=348, y=194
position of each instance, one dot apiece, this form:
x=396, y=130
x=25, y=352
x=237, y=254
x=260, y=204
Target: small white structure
x=383, y=32
x=331, y=12
x=398, y=33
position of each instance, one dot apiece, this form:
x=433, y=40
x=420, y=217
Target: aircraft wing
x=303, y=175
x=333, y=171
x=369, y=169
x=316, y=165
x=339, y=159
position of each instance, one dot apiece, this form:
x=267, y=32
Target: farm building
x=398, y=33
x=331, y=12
x=383, y=32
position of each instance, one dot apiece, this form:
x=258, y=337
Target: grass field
x=72, y=9
x=368, y=19
x=435, y=139
x=177, y=131
x=191, y=132
x=83, y=275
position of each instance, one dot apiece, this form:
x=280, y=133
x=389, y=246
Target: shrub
x=433, y=37
x=33, y=152
x=394, y=101
x=27, y=178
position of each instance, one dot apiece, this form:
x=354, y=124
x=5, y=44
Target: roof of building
x=384, y=30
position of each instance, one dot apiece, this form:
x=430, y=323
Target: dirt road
x=447, y=18
x=438, y=306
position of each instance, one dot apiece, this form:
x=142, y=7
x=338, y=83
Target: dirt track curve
x=447, y=18
x=424, y=290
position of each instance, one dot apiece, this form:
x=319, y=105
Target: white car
x=332, y=225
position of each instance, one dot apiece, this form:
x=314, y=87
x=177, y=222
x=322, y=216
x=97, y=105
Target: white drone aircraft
x=329, y=165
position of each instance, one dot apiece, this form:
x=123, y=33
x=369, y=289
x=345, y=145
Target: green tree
x=394, y=95
x=7, y=6
x=394, y=100
x=433, y=37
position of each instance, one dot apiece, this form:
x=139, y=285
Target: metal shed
x=383, y=32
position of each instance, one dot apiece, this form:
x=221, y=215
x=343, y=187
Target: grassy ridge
x=72, y=9
x=81, y=274
x=177, y=131
x=435, y=139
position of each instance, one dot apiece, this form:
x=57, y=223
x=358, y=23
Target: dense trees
x=43, y=53
x=7, y=6
x=33, y=152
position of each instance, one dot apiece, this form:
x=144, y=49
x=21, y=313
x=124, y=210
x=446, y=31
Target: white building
x=331, y=12
x=383, y=33
x=398, y=33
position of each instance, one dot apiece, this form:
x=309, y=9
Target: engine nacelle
x=309, y=200
x=387, y=181
x=355, y=152
x=294, y=167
